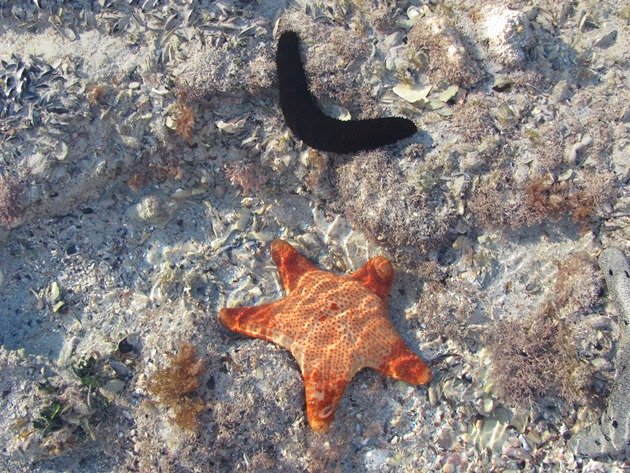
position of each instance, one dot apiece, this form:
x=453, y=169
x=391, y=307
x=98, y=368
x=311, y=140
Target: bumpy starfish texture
x=333, y=325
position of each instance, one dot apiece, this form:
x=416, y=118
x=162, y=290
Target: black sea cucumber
x=320, y=131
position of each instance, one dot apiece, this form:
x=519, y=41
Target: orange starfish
x=333, y=325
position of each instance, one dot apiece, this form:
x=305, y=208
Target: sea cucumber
x=318, y=130
x=611, y=435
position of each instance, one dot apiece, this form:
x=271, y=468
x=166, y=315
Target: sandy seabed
x=146, y=167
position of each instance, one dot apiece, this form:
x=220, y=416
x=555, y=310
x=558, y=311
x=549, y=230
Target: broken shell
x=436, y=104
x=445, y=112
x=232, y=126
x=566, y=175
x=413, y=12
x=491, y=432
x=67, y=350
x=264, y=237
x=607, y=40
x=170, y=123
x=55, y=292
x=160, y=91
x=181, y=194
x=448, y=94
x=577, y=147
x=433, y=394
x=412, y=93
x=244, y=216
x=58, y=306
x=339, y=112
x=62, y=150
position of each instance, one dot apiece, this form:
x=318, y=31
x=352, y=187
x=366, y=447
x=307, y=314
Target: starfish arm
x=323, y=394
x=255, y=321
x=376, y=275
x=291, y=264
x=401, y=363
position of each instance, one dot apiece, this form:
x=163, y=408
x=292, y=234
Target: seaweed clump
x=176, y=384
x=547, y=199
x=474, y=120
x=537, y=355
x=376, y=197
x=11, y=192
x=184, y=118
x=534, y=357
x=95, y=94
x=496, y=203
x=578, y=285
x=71, y=415
x=248, y=177
x=449, y=61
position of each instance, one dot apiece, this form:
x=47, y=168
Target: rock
x=114, y=386
x=509, y=35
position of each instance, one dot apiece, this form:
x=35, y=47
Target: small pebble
x=124, y=346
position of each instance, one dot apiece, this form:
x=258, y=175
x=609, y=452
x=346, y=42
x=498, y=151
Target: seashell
x=171, y=21
x=114, y=386
x=54, y=291
x=160, y=90
x=62, y=150
x=445, y=112
x=566, y=175
x=188, y=14
x=607, y=40
x=67, y=32
x=339, y=112
x=413, y=12
x=232, y=126
x=155, y=24
x=67, y=350
x=449, y=93
x=264, y=237
x=412, y=93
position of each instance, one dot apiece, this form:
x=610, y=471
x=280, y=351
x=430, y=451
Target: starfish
x=333, y=325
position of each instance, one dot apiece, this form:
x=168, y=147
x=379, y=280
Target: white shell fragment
x=449, y=93
x=243, y=220
x=55, y=292
x=339, y=112
x=412, y=93
x=67, y=350
x=231, y=126
x=62, y=151
x=572, y=155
